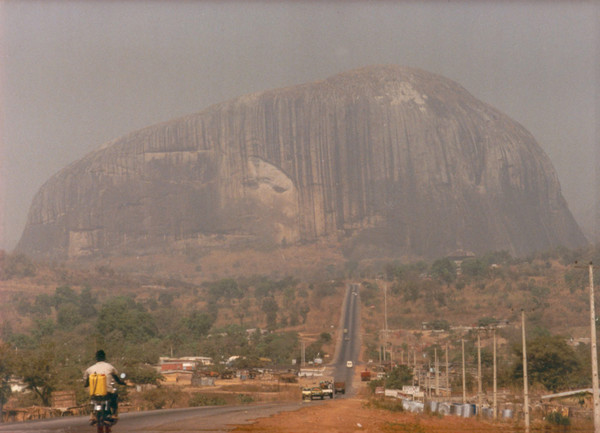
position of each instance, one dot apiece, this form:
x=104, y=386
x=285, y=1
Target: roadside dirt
x=355, y=415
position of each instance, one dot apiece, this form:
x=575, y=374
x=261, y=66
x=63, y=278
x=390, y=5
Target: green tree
x=6, y=371
x=444, y=270
x=43, y=304
x=473, y=267
x=226, y=288
x=16, y=266
x=68, y=316
x=143, y=374
x=199, y=323
x=550, y=362
x=88, y=304
x=279, y=347
x=398, y=377
x=123, y=317
x=38, y=370
x=65, y=295
x=270, y=308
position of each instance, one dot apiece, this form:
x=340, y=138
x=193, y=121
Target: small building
x=184, y=363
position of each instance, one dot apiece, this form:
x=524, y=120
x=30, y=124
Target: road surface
x=211, y=419
x=349, y=346
x=207, y=419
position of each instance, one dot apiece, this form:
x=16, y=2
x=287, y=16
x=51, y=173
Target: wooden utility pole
x=594, y=353
x=495, y=402
x=447, y=372
x=595, y=387
x=437, y=373
x=525, y=385
x=479, y=388
x=464, y=379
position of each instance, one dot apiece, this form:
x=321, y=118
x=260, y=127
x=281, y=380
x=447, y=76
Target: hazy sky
x=76, y=74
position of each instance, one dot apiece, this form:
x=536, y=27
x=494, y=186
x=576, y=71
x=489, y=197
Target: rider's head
x=100, y=355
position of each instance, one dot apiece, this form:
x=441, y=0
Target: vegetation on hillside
x=49, y=336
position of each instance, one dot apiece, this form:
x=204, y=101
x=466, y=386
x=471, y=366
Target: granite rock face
x=391, y=160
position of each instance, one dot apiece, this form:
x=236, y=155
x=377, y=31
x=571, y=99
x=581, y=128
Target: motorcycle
x=102, y=414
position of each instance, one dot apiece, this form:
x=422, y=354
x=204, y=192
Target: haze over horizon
x=75, y=75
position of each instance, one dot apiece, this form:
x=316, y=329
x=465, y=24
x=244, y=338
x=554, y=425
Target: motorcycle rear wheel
x=103, y=428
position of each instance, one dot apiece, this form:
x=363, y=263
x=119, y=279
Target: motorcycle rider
x=112, y=376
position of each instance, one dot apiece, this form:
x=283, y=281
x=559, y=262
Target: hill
x=379, y=162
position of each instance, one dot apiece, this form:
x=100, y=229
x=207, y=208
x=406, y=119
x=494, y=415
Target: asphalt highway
x=211, y=419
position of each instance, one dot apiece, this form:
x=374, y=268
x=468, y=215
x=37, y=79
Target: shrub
x=199, y=399
x=393, y=405
x=245, y=399
x=558, y=418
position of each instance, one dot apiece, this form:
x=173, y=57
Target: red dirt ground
x=354, y=415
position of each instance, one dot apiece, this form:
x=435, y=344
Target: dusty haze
x=78, y=74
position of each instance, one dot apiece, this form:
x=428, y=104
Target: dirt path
x=354, y=415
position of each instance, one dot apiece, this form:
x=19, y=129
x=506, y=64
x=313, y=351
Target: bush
x=393, y=405
x=557, y=418
x=199, y=399
x=159, y=398
x=245, y=399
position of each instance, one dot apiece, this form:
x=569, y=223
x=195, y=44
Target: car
x=316, y=393
x=306, y=394
x=349, y=364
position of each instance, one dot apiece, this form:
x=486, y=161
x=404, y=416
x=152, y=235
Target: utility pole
x=595, y=387
x=479, y=389
x=495, y=401
x=437, y=373
x=385, y=327
x=447, y=372
x=385, y=308
x=464, y=379
x=594, y=352
x=525, y=386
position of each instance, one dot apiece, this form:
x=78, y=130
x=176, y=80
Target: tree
x=226, y=288
x=280, y=348
x=444, y=270
x=6, y=371
x=550, y=362
x=143, y=374
x=38, y=370
x=270, y=308
x=16, y=266
x=122, y=316
x=67, y=316
x=398, y=377
x=473, y=267
x=87, y=303
x=199, y=323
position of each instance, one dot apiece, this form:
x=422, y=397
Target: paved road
x=349, y=346
x=192, y=420
x=213, y=419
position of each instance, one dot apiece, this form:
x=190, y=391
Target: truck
x=339, y=387
x=327, y=388
x=365, y=376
